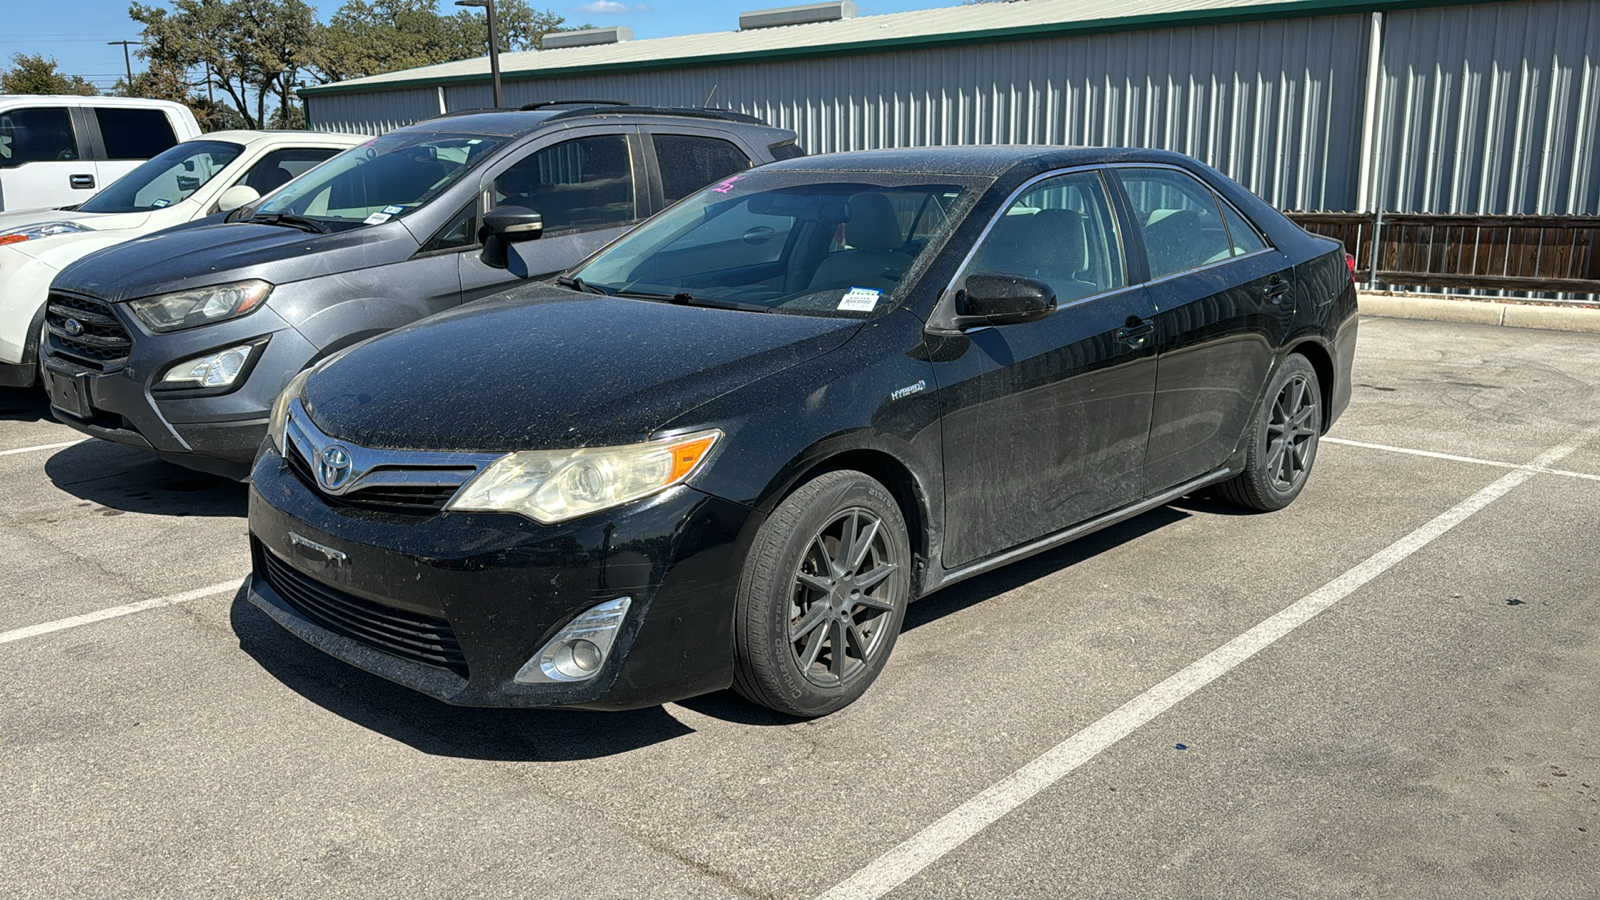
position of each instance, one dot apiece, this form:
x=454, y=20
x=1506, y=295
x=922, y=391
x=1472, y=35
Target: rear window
x=40, y=134
x=134, y=133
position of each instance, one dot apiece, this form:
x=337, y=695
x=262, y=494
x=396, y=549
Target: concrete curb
x=1479, y=312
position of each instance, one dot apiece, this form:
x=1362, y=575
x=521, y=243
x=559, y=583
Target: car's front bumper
x=505, y=586
x=210, y=430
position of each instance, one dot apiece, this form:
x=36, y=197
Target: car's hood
x=544, y=367
x=195, y=257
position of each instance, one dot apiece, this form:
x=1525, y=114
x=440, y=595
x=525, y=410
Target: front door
x=1224, y=301
x=1045, y=423
x=587, y=188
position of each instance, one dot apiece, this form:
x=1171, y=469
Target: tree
x=370, y=37
x=35, y=74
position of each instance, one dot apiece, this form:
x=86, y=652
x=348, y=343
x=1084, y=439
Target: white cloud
x=604, y=8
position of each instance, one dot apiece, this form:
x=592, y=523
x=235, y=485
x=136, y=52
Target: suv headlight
x=42, y=230
x=186, y=309
x=280, y=409
x=550, y=486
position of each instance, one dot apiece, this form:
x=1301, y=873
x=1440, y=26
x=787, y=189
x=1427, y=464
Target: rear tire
x=822, y=596
x=1283, y=441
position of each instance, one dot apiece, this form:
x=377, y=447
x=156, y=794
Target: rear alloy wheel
x=1283, y=444
x=822, y=597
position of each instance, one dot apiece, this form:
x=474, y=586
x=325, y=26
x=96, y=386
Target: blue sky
x=75, y=32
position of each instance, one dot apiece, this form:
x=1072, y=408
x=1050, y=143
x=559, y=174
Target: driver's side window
x=1060, y=231
x=577, y=185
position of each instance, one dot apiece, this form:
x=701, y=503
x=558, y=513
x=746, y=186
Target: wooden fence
x=1557, y=254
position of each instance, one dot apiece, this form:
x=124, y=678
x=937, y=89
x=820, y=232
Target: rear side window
x=280, y=167
x=577, y=185
x=1178, y=217
x=786, y=150
x=1061, y=232
x=689, y=163
x=40, y=134
x=1244, y=235
x=134, y=133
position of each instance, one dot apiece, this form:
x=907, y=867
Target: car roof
x=992, y=161
x=287, y=137
x=515, y=122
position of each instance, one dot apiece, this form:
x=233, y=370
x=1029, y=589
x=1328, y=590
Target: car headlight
x=218, y=369
x=550, y=486
x=186, y=309
x=279, y=417
x=44, y=230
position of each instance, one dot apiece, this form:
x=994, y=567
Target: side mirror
x=993, y=298
x=237, y=196
x=504, y=226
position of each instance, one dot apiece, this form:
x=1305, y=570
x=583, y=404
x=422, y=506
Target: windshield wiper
x=292, y=221
x=580, y=284
x=684, y=298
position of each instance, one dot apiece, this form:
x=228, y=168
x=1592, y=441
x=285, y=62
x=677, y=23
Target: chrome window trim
x=947, y=296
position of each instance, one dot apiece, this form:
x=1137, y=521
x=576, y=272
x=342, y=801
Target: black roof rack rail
x=725, y=115
x=530, y=107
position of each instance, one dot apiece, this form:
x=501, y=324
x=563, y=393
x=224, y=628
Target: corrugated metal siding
x=371, y=113
x=1491, y=109
x=1273, y=104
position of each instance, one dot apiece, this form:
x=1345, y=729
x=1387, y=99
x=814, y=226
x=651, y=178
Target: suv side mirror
x=504, y=226
x=994, y=298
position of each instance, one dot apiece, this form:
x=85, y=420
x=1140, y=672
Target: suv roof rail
x=725, y=115
x=530, y=107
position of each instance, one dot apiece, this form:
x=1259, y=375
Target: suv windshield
x=380, y=180
x=805, y=243
x=165, y=179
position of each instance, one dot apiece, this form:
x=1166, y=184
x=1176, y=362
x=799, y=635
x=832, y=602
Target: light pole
x=494, y=44
x=127, y=62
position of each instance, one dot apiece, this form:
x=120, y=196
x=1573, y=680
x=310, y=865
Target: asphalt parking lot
x=1386, y=690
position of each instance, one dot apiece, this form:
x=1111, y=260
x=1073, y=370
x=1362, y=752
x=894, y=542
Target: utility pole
x=494, y=45
x=127, y=62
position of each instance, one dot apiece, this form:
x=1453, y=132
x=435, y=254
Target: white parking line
x=922, y=849
x=1466, y=459
x=42, y=447
x=18, y=634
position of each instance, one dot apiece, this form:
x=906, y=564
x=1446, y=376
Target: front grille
x=101, y=341
x=408, y=635
x=403, y=498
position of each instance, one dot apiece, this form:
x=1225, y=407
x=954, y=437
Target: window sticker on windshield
x=160, y=202
x=394, y=210
x=859, y=299
x=377, y=218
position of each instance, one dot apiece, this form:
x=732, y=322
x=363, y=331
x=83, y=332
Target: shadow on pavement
x=521, y=735
x=125, y=480
x=24, y=405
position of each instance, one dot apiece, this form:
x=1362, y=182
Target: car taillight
x=1350, y=263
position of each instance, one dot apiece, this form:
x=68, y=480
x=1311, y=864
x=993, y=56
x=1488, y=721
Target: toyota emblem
x=333, y=467
x=73, y=327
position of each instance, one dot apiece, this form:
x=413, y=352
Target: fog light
x=580, y=649
x=219, y=369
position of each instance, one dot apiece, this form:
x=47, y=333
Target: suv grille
x=101, y=341
x=408, y=635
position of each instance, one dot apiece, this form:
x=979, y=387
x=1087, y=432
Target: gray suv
x=178, y=343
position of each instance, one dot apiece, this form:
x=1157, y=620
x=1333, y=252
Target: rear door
x=45, y=158
x=589, y=185
x=1045, y=422
x=1222, y=300
x=126, y=136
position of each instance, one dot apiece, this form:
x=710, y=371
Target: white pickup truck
x=60, y=151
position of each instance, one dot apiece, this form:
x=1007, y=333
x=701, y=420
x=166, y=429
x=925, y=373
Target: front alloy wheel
x=822, y=597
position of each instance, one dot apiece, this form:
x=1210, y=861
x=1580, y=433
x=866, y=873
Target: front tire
x=1283, y=442
x=822, y=596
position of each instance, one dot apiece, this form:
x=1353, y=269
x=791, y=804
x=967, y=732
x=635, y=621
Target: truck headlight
x=186, y=309
x=550, y=486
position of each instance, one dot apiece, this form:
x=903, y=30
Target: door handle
x=81, y=182
x=1135, y=332
x=1276, y=288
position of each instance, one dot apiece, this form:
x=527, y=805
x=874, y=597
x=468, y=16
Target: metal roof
x=1016, y=20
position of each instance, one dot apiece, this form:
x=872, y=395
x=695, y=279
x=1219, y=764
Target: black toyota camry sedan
x=731, y=448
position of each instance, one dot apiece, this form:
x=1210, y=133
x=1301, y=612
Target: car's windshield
x=165, y=179
x=383, y=179
x=807, y=243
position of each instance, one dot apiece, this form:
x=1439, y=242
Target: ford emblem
x=333, y=467
x=73, y=327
